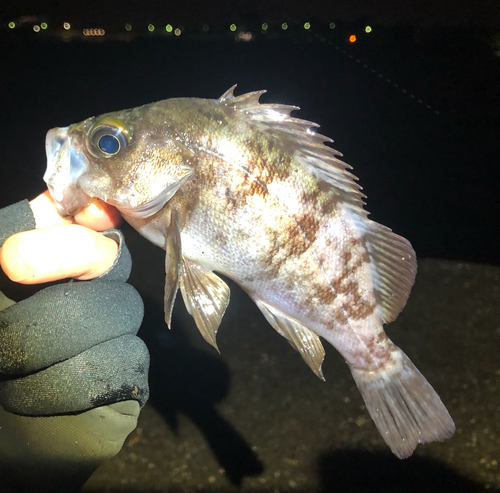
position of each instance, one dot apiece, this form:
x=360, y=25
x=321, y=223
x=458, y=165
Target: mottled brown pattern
x=321, y=198
x=353, y=256
x=309, y=225
x=376, y=351
x=286, y=244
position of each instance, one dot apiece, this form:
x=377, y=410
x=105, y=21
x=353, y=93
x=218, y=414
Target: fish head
x=128, y=159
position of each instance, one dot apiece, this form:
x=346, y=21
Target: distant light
x=12, y=25
x=284, y=26
x=368, y=29
x=67, y=26
x=168, y=28
x=232, y=27
x=205, y=28
x=352, y=38
x=177, y=32
x=151, y=28
x=332, y=25
x=94, y=32
x=244, y=36
x=43, y=25
x=264, y=26
x=128, y=27
x=36, y=28
x=307, y=25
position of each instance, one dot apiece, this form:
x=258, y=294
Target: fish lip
x=65, y=165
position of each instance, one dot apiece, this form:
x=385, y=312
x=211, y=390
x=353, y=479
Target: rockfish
x=244, y=189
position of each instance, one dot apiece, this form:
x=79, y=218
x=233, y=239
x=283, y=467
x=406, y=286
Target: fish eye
x=109, y=144
x=108, y=137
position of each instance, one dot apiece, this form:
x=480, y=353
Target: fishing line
x=386, y=79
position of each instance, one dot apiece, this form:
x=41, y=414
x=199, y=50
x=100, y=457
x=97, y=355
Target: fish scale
x=245, y=189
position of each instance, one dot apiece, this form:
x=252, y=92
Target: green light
x=205, y=28
x=232, y=27
x=128, y=27
x=168, y=28
x=151, y=28
x=12, y=25
x=284, y=26
x=368, y=29
x=43, y=25
x=264, y=26
x=307, y=25
x=332, y=25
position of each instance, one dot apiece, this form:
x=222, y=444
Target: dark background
x=414, y=105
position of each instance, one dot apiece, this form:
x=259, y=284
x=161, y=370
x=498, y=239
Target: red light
x=352, y=38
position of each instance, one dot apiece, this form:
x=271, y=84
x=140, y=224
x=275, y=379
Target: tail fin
x=406, y=409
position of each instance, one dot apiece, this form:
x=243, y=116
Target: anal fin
x=206, y=297
x=306, y=342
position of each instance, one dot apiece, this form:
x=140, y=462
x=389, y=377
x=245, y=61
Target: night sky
x=485, y=13
x=413, y=105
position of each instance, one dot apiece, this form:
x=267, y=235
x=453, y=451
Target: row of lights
x=177, y=31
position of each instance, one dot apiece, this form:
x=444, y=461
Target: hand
x=61, y=247
x=73, y=373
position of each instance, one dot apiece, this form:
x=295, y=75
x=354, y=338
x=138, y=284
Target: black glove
x=71, y=370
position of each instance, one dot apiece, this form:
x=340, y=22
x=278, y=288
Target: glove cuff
x=120, y=270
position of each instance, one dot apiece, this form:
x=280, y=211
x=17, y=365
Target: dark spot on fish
x=346, y=255
x=308, y=225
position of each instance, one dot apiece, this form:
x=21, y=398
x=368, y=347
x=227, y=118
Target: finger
x=98, y=216
x=59, y=252
x=45, y=212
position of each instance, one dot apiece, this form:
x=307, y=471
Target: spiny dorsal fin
x=229, y=94
x=303, y=142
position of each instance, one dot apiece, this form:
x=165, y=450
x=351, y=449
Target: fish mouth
x=65, y=165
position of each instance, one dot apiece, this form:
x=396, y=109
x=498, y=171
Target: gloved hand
x=73, y=373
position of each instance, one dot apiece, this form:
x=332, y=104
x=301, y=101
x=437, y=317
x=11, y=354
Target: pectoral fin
x=206, y=297
x=151, y=207
x=306, y=342
x=173, y=258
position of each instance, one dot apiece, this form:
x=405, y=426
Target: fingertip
x=99, y=216
x=45, y=212
x=12, y=259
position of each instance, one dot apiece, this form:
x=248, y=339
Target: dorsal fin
x=394, y=265
x=228, y=94
x=393, y=260
x=303, y=142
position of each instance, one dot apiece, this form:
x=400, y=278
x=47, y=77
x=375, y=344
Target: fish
x=244, y=189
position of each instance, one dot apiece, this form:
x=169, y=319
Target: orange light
x=352, y=38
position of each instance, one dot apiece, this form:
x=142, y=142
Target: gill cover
x=65, y=165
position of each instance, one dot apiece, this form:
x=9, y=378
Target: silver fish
x=245, y=189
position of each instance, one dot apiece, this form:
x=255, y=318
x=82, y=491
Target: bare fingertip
x=98, y=216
